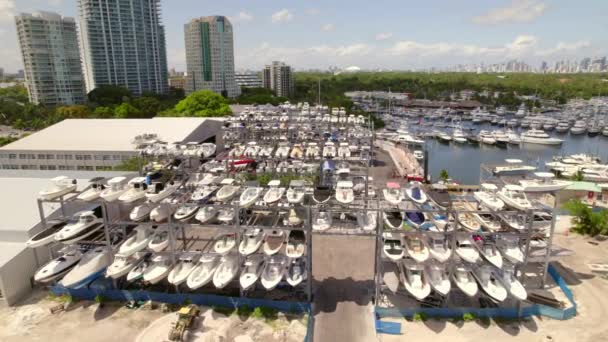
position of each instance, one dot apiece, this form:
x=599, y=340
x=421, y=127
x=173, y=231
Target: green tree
x=578, y=176
x=204, y=103
x=73, y=112
x=444, y=175
x=125, y=111
x=104, y=112
x=585, y=220
x=148, y=106
x=108, y=95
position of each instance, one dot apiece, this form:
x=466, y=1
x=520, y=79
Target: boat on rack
x=186, y=265
x=393, y=219
x=273, y=242
x=203, y=271
x=226, y=271
x=252, y=270
x=47, y=235
x=414, y=280
x=136, y=190
x=160, y=240
x=491, y=284
x=344, y=192
x=488, y=198
x=91, y=266
x=252, y=241
x=513, y=286
x=274, y=193
x=206, y=214
x=392, y=246
x=510, y=249
x=296, y=191
x=94, y=191
x=250, y=196
x=416, y=248
x=296, y=272
x=58, y=267
x=488, y=251
x=545, y=182
x=296, y=244
x=224, y=243
x=123, y=264
x=438, y=278
x=321, y=220
x=137, y=242
x=514, y=196
x=274, y=270
x=115, y=188
x=393, y=193
x=464, y=280
x=465, y=249
x=415, y=193
x=367, y=220
x=60, y=186
x=185, y=212
x=86, y=225
x=439, y=247
x=227, y=191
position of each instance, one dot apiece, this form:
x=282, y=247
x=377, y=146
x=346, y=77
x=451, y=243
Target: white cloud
x=242, y=17
x=384, y=36
x=7, y=11
x=282, y=16
x=328, y=27
x=562, y=48
x=341, y=51
x=516, y=11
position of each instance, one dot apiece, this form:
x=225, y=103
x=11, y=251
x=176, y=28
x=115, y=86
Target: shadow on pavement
x=331, y=291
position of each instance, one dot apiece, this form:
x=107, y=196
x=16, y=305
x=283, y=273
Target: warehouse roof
x=105, y=134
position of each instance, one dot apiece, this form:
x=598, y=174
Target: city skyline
x=315, y=35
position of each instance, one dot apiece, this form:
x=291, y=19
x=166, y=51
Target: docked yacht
x=513, y=167
x=538, y=137
x=250, y=196
x=137, y=242
x=59, y=266
x=486, y=137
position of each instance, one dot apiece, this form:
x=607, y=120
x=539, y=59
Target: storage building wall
x=16, y=276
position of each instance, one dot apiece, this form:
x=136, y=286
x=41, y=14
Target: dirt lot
x=85, y=321
x=590, y=294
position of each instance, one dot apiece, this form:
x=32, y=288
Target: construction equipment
x=185, y=318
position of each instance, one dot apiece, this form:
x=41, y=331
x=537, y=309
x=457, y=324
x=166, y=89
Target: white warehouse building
x=100, y=144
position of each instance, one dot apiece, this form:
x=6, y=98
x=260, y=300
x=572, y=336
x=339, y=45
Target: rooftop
x=92, y=134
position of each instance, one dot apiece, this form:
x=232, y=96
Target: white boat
x=416, y=248
x=458, y=136
x=116, y=187
x=414, y=280
x=123, y=264
x=252, y=149
x=142, y=211
x=159, y=191
x=274, y=270
x=439, y=247
x=392, y=246
x=137, y=242
x=186, y=264
x=466, y=250
x=250, y=196
x=137, y=272
x=329, y=150
x=252, y=270
x=490, y=283
x=438, y=278
x=296, y=191
x=487, y=197
x=203, y=193
x=419, y=155
x=513, y=221
x=545, y=182
x=227, y=191
x=226, y=215
x=296, y=272
x=489, y=252
x=296, y=244
x=163, y=210
x=282, y=151
x=464, y=280
x=136, y=190
x=393, y=193
x=60, y=186
x=522, y=111
x=322, y=220
x=275, y=192
x=486, y=138
x=367, y=220
x=226, y=271
x=86, y=225
x=224, y=243
x=158, y=270
x=538, y=137
x=92, y=264
x=344, y=150
x=344, y=192
x=514, y=196
x=93, y=192
x=160, y=240
x=415, y=193
x=206, y=214
x=513, y=286
x=252, y=241
x=488, y=221
x=509, y=247
x=47, y=235
x=203, y=271
x=513, y=167
x=312, y=151
x=273, y=241
x=59, y=266
x=185, y=212
x=207, y=150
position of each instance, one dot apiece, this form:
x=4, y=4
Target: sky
x=381, y=34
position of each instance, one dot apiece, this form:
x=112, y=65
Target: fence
x=505, y=313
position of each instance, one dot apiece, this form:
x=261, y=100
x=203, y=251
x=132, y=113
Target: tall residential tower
x=49, y=46
x=124, y=45
x=279, y=78
x=210, y=56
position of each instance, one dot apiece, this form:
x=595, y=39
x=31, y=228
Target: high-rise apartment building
x=49, y=46
x=210, y=56
x=279, y=77
x=248, y=80
x=124, y=45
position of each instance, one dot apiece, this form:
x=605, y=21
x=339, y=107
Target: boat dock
x=402, y=157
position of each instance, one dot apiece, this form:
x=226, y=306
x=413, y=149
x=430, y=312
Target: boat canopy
x=227, y=181
x=513, y=161
x=344, y=184
x=296, y=183
x=274, y=182
x=544, y=174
